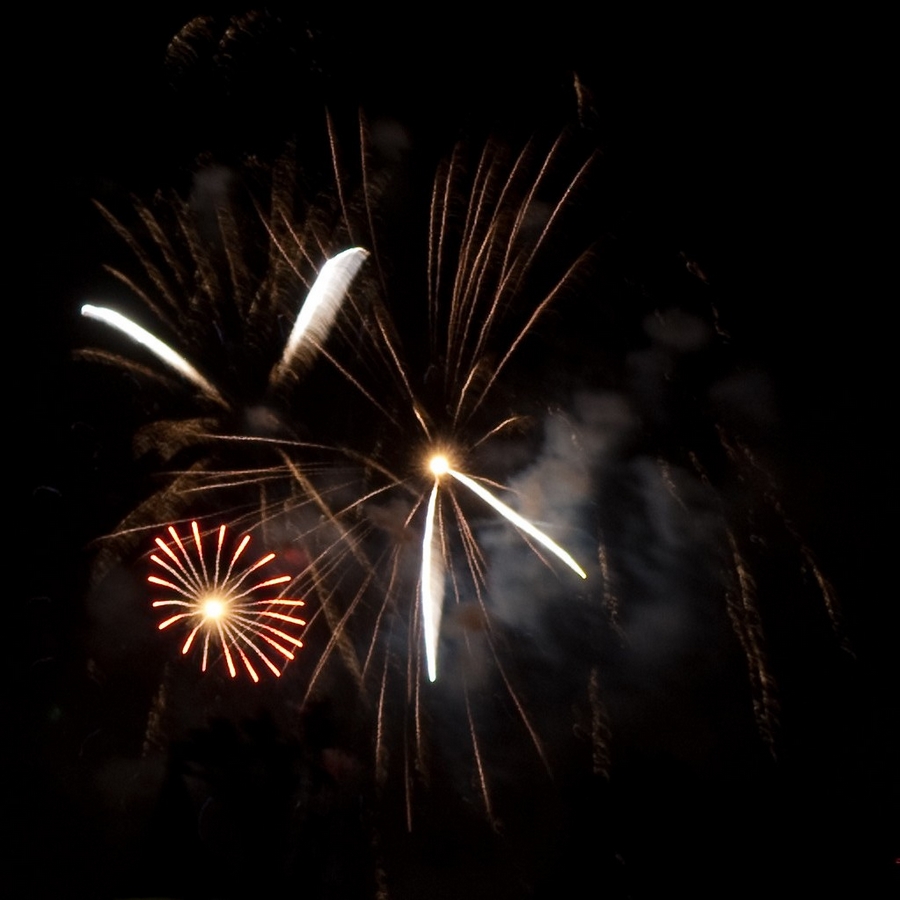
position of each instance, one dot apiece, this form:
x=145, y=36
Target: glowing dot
x=439, y=464
x=213, y=608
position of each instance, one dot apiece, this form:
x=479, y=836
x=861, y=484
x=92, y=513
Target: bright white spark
x=432, y=586
x=159, y=348
x=439, y=464
x=321, y=306
x=432, y=579
x=518, y=521
x=213, y=608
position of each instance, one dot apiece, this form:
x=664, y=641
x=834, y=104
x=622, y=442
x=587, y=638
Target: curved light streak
x=156, y=346
x=319, y=310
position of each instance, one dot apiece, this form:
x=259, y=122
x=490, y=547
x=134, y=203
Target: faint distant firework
x=224, y=609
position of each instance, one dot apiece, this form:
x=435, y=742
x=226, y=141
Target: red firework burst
x=214, y=600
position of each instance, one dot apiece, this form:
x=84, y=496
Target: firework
x=478, y=318
x=496, y=264
x=432, y=581
x=311, y=328
x=214, y=600
x=511, y=605
x=225, y=315
x=383, y=503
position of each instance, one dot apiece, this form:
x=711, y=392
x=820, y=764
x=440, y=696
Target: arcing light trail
x=311, y=327
x=322, y=305
x=157, y=347
x=432, y=586
x=221, y=609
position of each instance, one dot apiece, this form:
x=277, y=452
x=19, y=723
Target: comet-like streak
x=321, y=306
x=432, y=587
x=156, y=346
x=517, y=520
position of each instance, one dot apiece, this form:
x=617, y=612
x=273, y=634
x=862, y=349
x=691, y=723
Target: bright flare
x=212, y=609
x=157, y=347
x=439, y=465
x=432, y=585
x=520, y=522
x=221, y=609
x=432, y=578
x=321, y=306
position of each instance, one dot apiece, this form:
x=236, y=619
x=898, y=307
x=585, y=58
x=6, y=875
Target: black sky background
x=748, y=146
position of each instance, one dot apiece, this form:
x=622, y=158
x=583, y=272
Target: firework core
x=439, y=465
x=213, y=608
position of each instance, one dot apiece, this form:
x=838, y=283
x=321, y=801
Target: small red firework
x=247, y=621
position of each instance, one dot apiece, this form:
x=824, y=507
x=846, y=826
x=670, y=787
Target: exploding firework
x=388, y=502
x=485, y=423
x=500, y=254
x=222, y=606
x=486, y=286
x=220, y=282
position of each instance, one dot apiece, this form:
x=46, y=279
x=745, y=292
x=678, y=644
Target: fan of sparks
x=223, y=607
x=432, y=580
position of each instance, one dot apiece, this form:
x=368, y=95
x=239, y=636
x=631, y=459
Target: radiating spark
x=743, y=610
x=220, y=608
x=519, y=521
x=432, y=586
x=156, y=346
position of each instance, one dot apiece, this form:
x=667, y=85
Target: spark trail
x=157, y=347
x=311, y=327
x=432, y=582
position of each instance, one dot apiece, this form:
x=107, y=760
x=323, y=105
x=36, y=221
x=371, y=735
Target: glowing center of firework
x=213, y=608
x=439, y=465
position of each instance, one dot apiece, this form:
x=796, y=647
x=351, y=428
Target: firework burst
x=383, y=477
x=500, y=253
x=222, y=606
x=243, y=303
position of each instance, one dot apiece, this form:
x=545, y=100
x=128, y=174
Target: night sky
x=730, y=303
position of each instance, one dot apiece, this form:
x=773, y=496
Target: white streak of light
x=432, y=587
x=154, y=345
x=322, y=303
x=518, y=521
